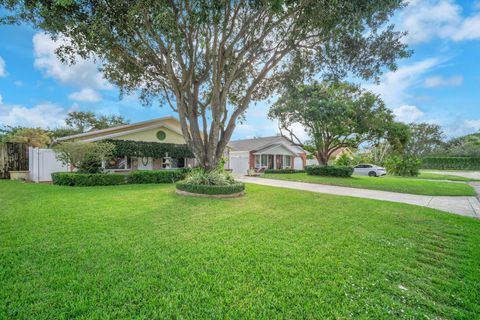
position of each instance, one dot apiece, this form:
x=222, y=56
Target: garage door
x=298, y=163
x=239, y=164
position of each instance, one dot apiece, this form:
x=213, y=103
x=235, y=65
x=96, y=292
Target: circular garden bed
x=234, y=190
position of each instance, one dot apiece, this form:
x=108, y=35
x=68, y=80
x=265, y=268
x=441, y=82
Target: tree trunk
x=322, y=158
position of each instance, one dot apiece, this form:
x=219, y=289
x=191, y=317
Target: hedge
x=209, y=189
x=332, y=171
x=156, y=176
x=150, y=149
x=283, y=171
x=108, y=179
x=451, y=163
x=87, y=179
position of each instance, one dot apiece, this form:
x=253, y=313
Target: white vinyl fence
x=42, y=163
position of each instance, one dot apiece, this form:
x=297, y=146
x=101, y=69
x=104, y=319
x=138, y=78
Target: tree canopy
x=425, y=139
x=88, y=121
x=464, y=146
x=334, y=114
x=209, y=59
x=34, y=137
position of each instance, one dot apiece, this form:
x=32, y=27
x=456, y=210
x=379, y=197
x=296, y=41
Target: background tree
x=425, y=139
x=464, y=146
x=34, y=137
x=81, y=121
x=208, y=59
x=394, y=142
x=335, y=115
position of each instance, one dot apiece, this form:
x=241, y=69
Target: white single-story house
x=275, y=152
x=161, y=130
x=43, y=162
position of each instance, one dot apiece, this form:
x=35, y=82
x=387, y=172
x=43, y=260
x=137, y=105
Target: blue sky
x=440, y=83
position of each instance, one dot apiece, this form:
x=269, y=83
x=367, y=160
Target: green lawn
x=140, y=251
x=437, y=176
x=386, y=183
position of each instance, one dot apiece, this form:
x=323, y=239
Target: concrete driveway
x=465, y=206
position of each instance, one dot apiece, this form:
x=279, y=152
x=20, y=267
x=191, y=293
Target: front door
x=145, y=163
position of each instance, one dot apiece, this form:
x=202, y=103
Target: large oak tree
x=335, y=115
x=209, y=59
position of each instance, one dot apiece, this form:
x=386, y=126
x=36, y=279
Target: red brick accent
x=251, y=160
x=304, y=159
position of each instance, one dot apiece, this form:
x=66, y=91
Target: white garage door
x=298, y=163
x=239, y=164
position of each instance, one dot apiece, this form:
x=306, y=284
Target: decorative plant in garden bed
x=217, y=183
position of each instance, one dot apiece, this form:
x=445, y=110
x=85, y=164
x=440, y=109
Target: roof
x=122, y=128
x=341, y=151
x=258, y=144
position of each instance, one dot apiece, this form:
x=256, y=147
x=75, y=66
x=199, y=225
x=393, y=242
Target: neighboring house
x=335, y=155
x=162, y=130
x=275, y=152
x=342, y=151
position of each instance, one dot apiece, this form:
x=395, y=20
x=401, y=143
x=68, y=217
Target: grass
x=140, y=251
x=386, y=183
x=438, y=176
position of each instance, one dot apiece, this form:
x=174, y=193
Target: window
x=264, y=160
x=287, y=161
x=120, y=163
x=258, y=161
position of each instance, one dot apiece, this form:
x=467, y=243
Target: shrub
x=87, y=179
x=332, y=171
x=451, y=163
x=209, y=178
x=235, y=187
x=283, y=171
x=86, y=156
x=402, y=166
x=343, y=161
x=156, y=176
x=90, y=164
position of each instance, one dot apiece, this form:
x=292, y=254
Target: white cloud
x=85, y=95
x=83, y=74
x=299, y=131
x=438, y=81
x=45, y=115
x=394, y=84
x=3, y=70
x=407, y=113
x=472, y=124
x=1, y=99
x=428, y=19
x=468, y=30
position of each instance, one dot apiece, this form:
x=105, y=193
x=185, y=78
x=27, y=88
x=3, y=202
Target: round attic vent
x=161, y=135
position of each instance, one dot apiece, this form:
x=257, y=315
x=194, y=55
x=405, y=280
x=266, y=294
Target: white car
x=370, y=170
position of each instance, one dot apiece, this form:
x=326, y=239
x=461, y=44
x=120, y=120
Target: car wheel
x=372, y=174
